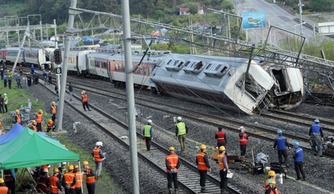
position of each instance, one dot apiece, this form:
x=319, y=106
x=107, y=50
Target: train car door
x=109, y=70
x=77, y=64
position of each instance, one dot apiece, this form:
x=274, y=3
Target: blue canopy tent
x=15, y=131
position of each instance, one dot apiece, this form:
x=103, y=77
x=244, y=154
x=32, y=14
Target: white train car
x=77, y=62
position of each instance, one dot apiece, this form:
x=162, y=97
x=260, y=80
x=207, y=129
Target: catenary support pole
x=64, y=69
x=26, y=33
x=130, y=97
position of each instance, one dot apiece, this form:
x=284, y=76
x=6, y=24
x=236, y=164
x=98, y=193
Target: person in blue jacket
x=298, y=158
x=282, y=145
x=316, y=137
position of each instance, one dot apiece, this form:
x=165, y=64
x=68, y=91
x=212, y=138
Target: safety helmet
x=76, y=166
x=271, y=173
x=1, y=180
x=222, y=148
x=99, y=143
x=49, y=120
x=33, y=121
x=17, y=111
x=70, y=167
x=5, y=94
x=202, y=147
x=63, y=163
x=56, y=170
x=40, y=111
x=149, y=121
x=241, y=128
x=85, y=162
x=271, y=181
x=179, y=118
x=171, y=148
x=279, y=131
x=295, y=143
x=316, y=120
x=83, y=92
x=45, y=170
x=53, y=102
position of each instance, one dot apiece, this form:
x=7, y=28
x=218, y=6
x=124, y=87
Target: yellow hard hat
x=50, y=120
x=55, y=170
x=1, y=180
x=171, y=148
x=33, y=121
x=70, y=167
x=17, y=111
x=53, y=102
x=271, y=173
x=40, y=111
x=202, y=147
x=222, y=148
x=76, y=166
x=85, y=162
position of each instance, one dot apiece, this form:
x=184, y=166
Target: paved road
x=275, y=15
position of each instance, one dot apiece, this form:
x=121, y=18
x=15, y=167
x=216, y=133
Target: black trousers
x=91, y=188
x=299, y=169
x=223, y=179
x=2, y=110
x=243, y=150
x=53, y=118
x=78, y=190
x=11, y=186
x=202, y=180
x=172, y=177
x=281, y=154
x=39, y=127
x=148, y=143
x=6, y=107
x=84, y=105
x=10, y=84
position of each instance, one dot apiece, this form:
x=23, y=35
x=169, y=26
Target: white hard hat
x=45, y=170
x=99, y=143
x=241, y=128
x=179, y=118
x=149, y=121
x=5, y=94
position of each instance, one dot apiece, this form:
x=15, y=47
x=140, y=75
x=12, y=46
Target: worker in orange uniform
x=79, y=176
x=90, y=178
x=271, y=175
x=243, y=140
x=53, y=111
x=84, y=99
x=39, y=119
x=69, y=180
x=55, y=185
x=172, y=168
x=50, y=125
x=18, y=117
x=272, y=189
x=99, y=157
x=203, y=166
x=3, y=188
x=33, y=126
x=43, y=183
x=223, y=169
x=221, y=137
x=180, y=131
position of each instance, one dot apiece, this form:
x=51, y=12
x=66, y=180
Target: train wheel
x=154, y=91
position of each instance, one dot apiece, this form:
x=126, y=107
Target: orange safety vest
x=3, y=190
x=172, y=160
x=50, y=124
x=69, y=178
x=53, y=184
x=96, y=153
x=84, y=98
x=0, y=124
x=90, y=179
x=79, y=177
x=53, y=109
x=243, y=139
x=201, y=162
x=39, y=118
x=18, y=118
x=220, y=161
x=33, y=127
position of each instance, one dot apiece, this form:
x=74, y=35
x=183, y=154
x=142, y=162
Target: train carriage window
x=224, y=70
x=217, y=67
x=198, y=66
x=169, y=62
x=187, y=63
x=208, y=67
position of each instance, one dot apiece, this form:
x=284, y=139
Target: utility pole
x=301, y=16
x=130, y=97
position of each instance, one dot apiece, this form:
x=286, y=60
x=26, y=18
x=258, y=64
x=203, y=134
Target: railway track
x=188, y=174
x=232, y=124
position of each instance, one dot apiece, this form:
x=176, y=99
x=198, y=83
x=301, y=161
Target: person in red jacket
x=18, y=117
x=39, y=119
x=84, y=99
x=50, y=125
x=203, y=166
x=90, y=178
x=53, y=111
x=55, y=185
x=243, y=140
x=221, y=137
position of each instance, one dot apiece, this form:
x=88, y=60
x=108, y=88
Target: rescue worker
x=298, y=158
x=62, y=170
x=99, y=157
x=316, y=137
x=43, y=183
x=221, y=137
x=55, y=185
x=84, y=99
x=223, y=169
x=172, y=168
x=3, y=187
x=79, y=176
x=180, y=131
x=53, y=111
x=282, y=145
x=5, y=102
x=10, y=179
x=69, y=180
x=271, y=175
x=50, y=125
x=18, y=116
x=203, y=166
x=90, y=178
x=9, y=79
x=243, y=140
x=70, y=89
x=33, y=126
x=39, y=119
x=272, y=189
x=148, y=134
x=2, y=110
